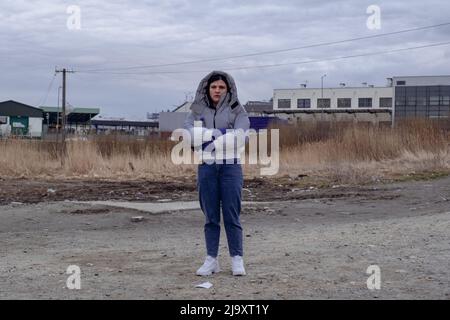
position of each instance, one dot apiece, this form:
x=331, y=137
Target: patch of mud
x=256, y=189
x=91, y=211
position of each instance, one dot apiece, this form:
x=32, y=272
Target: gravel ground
x=317, y=245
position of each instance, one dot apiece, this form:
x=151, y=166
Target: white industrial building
x=333, y=98
x=362, y=104
x=403, y=97
x=171, y=120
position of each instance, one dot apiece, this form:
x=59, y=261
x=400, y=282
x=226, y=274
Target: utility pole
x=58, y=116
x=63, y=116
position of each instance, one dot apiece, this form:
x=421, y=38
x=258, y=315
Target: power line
x=345, y=57
x=165, y=45
x=274, y=51
x=279, y=64
x=48, y=91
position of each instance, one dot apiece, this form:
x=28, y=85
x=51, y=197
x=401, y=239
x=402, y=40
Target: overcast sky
x=35, y=37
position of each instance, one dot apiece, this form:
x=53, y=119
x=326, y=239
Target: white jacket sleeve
x=233, y=141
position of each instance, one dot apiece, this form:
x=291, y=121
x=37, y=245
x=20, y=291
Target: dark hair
x=217, y=77
x=212, y=79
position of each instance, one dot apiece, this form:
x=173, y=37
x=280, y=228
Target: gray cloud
x=35, y=39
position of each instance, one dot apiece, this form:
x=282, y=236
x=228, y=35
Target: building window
x=401, y=83
x=323, y=103
x=365, y=102
x=434, y=112
x=421, y=95
x=422, y=101
x=284, y=103
x=385, y=102
x=3, y=120
x=445, y=96
x=434, y=96
x=303, y=103
x=344, y=102
x=400, y=96
x=411, y=98
x=445, y=100
x=411, y=101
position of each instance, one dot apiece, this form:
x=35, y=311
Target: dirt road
x=307, y=244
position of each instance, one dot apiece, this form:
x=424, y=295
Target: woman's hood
x=201, y=97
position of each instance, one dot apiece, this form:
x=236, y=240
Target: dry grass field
x=338, y=152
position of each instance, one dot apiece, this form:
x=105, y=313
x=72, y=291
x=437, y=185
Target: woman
x=220, y=182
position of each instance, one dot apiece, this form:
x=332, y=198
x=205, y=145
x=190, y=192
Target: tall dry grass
x=111, y=156
x=339, y=152
x=352, y=153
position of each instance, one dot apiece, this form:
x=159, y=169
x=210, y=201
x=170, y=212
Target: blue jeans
x=220, y=186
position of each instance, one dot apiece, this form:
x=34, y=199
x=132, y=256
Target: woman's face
x=216, y=90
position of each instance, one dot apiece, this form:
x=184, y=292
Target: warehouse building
x=19, y=119
x=169, y=121
x=422, y=96
x=403, y=97
x=368, y=104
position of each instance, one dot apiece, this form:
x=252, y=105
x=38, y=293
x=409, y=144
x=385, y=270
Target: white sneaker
x=210, y=266
x=237, y=266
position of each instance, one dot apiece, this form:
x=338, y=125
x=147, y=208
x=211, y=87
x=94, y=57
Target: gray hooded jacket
x=229, y=114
